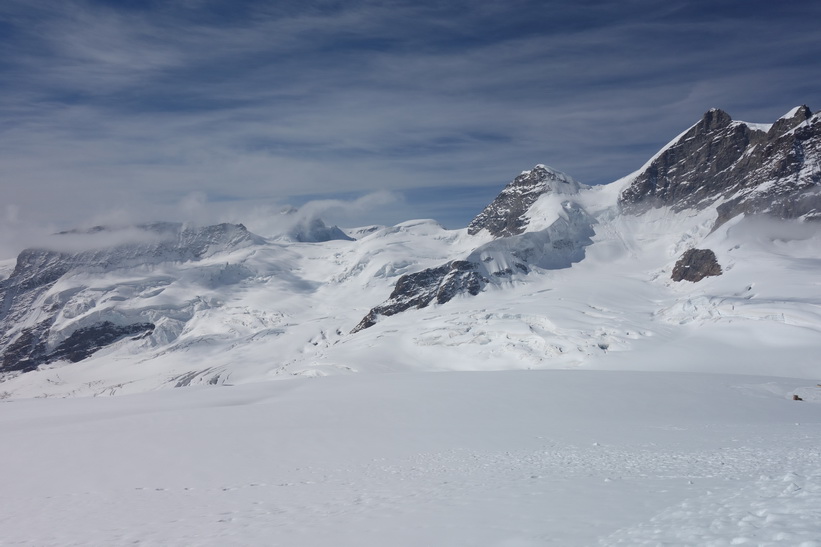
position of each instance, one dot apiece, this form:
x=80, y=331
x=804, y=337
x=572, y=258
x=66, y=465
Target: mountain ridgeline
x=736, y=167
x=752, y=169
x=151, y=289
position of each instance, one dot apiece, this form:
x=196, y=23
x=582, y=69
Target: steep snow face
x=558, y=245
x=741, y=167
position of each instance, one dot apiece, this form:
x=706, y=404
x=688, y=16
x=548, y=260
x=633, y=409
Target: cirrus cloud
x=133, y=106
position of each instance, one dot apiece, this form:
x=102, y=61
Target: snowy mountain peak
x=41, y=322
x=791, y=119
x=803, y=111
x=308, y=227
x=534, y=226
x=507, y=214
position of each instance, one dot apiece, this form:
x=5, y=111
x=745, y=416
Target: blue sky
x=211, y=110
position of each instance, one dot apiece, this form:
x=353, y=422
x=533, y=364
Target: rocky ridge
x=739, y=167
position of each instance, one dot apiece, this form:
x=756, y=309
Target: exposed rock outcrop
x=696, y=264
x=420, y=289
x=29, y=351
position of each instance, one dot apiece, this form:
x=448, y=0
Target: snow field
x=503, y=458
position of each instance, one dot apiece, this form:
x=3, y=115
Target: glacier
x=542, y=376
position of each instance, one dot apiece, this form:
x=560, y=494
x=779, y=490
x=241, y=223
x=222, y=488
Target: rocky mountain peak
x=713, y=120
x=790, y=120
x=506, y=215
x=775, y=170
x=515, y=251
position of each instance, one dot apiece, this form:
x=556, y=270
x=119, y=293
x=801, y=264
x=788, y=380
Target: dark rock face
x=28, y=351
x=83, y=342
x=777, y=172
x=696, y=264
x=505, y=216
x=37, y=270
x=419, y=290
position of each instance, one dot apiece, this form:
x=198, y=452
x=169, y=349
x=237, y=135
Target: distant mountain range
x=714, y=238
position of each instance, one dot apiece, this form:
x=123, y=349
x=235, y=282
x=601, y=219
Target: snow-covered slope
x=552, y=274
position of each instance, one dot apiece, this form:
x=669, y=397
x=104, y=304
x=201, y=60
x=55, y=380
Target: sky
x=372, y=111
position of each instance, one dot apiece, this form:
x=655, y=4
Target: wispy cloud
x=134, y=106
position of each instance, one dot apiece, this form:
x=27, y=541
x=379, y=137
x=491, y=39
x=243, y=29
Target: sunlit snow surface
x=515, y=458
x=653, y=413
